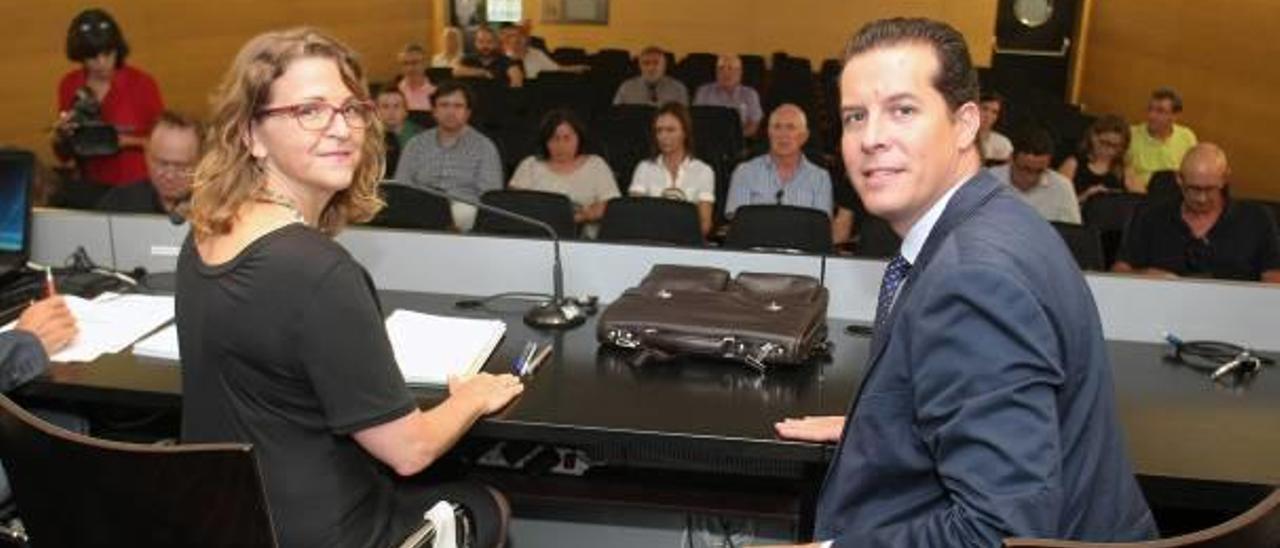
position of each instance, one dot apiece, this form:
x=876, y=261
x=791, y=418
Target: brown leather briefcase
x=758, y=319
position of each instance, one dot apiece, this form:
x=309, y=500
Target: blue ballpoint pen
x=522, y=360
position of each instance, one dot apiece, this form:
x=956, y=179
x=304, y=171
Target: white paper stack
x=162, y=344
x=110, y=323
x=430, y=349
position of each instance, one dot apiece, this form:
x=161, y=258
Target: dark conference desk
x=1193, y=443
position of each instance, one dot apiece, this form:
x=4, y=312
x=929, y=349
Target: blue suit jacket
x=988, y=409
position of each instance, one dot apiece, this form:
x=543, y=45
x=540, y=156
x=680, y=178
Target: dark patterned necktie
x=894, y=274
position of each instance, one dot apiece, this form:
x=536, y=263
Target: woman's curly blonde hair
x=228, y=175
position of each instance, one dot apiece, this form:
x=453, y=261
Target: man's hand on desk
x=824, y=429
x=491, y=392
x=51, y=321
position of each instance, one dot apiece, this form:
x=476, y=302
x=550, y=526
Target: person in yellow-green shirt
x=1161, y=143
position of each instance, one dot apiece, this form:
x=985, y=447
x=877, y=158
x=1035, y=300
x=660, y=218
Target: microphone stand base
x=552, y=315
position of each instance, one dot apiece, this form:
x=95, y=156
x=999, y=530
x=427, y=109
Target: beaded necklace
x=267, y=195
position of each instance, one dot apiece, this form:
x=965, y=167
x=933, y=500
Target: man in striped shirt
x=453, y=156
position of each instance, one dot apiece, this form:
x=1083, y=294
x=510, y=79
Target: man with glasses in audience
x=652, y=87
x=171, y=153
x=453, y=156
x=1206, y=233
x=783, y=176
x=414, y=84
x=1160, y=143
x=728, y=91
x=1052, y=195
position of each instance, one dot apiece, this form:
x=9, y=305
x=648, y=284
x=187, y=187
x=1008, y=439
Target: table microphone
x=557, y=313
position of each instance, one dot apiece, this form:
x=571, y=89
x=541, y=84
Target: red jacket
x=133, y=105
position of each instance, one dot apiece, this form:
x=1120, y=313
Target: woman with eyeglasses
x=104, y=92
x=1099, y=165
x=280, y=329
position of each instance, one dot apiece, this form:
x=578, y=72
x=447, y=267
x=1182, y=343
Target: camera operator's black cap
x=92, y=32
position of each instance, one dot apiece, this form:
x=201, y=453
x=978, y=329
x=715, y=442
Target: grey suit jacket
x=988, y=409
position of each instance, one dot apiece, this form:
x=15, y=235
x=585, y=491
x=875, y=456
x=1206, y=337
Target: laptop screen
x=17, y=172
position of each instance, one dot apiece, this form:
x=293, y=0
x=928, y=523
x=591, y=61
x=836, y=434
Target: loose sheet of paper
x=162, y=344
x=110, y=322
x=430, y=348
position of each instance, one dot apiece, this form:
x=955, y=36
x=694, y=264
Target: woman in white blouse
x=560, y=166
x=673, y=172
x=451, y=50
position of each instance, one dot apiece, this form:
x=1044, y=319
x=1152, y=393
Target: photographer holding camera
x=106, y=109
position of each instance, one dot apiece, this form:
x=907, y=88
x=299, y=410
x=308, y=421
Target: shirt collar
x=913, y=243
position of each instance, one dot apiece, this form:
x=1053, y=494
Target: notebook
x=430, y=348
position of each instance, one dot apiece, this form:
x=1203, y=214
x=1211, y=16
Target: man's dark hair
x=1168, y=94
x=991, y=96
x=1035, y=141
x=92, y=33
x=450, y=87
x=551, y=121
x=956, y=79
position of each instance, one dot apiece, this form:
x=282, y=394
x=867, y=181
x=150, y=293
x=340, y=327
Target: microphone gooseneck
x=557, y=313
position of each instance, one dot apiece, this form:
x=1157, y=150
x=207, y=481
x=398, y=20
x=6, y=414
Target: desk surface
x=1178, y=424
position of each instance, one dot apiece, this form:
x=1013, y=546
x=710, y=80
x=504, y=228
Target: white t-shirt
x=535, y=61
x=997, y=147
x=592, y=182
x=694, y=181
x=1053, y=196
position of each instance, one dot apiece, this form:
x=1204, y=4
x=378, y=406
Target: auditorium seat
x=753, y=71
x=1085, y=243
x=408, y=207
x=1110, y=213
x=651, y=220
x=74, y=490
x=1258, y=527
x=876, y=239
x=570, y=56
x=624, y=133
x=1163, y=185
x=696, y=69
x=779, y=228
x=548, y=207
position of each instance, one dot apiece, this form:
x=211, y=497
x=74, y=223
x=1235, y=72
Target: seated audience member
x=282, y=338
x=561, y=166
x=995, y=147
x=1206, y=233
x=399, y=129
x=783, y=175
x=413, y=84
x=451, y=49
x=45, y=327
x=1099, y=164
x=452, y=156
x=652, y=86
x=1160, y=143
x=673, y=172
x=489, y=62
x=104, y=89
x=1044, y=189
x=172, y=152
x=728, y=91
x=515, y=43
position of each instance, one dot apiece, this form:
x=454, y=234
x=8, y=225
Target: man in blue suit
x=987, y=410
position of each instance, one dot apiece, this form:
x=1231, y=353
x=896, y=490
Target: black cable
x=1212, y=356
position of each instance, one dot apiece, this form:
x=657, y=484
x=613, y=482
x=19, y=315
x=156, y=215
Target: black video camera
x=92, y=136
